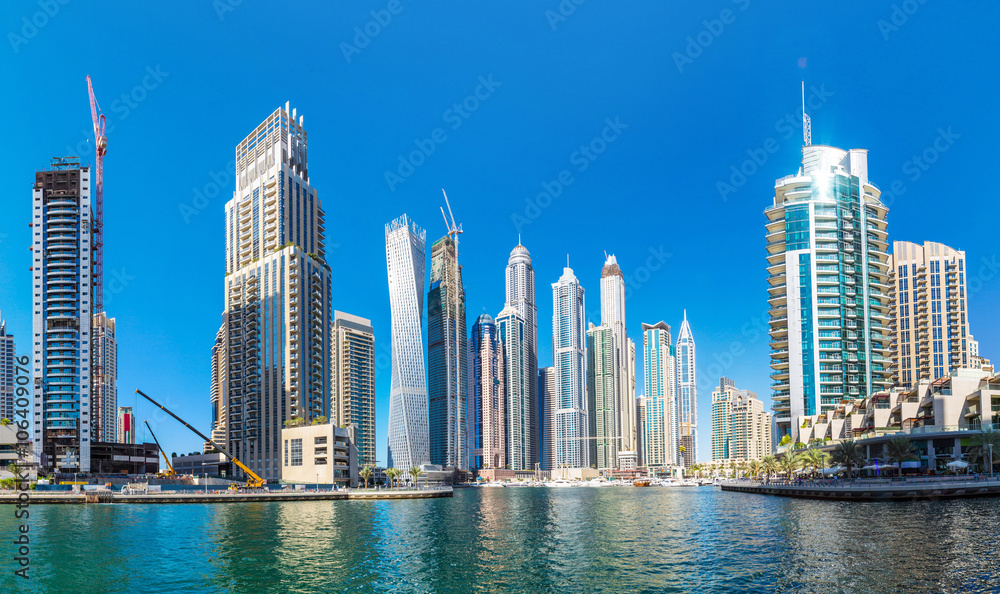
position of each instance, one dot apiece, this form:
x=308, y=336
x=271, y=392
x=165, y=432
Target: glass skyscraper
x=658, y=440
x=409, y=442
x=603, y=404
x=828, y=290
x=488, y=410
x=569, y=356
x=7, y=356
x=446, y=358
x=520, y=293
x=511, y=330
x=687, y=396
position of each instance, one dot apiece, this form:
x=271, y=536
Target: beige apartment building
x=929, y=314
x=324, y=454
x=741, y=429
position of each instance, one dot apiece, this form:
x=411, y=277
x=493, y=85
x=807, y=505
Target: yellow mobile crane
x=253, y=481
x=170, y=468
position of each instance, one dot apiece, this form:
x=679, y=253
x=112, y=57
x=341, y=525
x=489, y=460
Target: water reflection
x=518, y=539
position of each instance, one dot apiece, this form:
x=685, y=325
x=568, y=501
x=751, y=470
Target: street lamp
x=990, y=446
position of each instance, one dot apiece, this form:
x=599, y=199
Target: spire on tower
x=806, y=122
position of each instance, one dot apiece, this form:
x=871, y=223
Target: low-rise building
x=939, y=417
x=108, y=457
x=324, y=454
x=215, y=464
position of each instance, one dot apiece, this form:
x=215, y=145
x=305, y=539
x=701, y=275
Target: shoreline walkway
x=871, y=489
x=102, y=496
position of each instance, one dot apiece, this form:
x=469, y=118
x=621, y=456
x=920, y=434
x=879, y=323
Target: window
x=320, y=440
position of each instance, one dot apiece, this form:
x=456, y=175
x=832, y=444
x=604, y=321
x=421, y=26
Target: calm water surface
x=516, y=539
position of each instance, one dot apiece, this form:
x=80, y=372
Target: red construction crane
x=101, y=144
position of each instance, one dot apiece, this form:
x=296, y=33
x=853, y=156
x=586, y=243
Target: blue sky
x=671, y=98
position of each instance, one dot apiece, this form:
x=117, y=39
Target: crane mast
x=101, y=147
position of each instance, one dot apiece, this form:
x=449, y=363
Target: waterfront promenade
x=104, y=496
x=872, y=489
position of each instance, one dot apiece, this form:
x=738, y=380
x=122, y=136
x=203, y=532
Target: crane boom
x=165, y=459
x=253, y=482
x=101, y=148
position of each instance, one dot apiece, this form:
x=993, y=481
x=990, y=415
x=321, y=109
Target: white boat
x=560, y=483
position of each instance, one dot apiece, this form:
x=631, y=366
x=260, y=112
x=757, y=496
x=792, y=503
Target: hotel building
x=828, y=287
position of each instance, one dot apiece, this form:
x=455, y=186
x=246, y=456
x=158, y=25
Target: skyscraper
x=105, y=388
x=7, y=357
x=511, y=332
x=547, y=405
x=409, y=442
x=929, y=318
x=828, y=286
x=570, y=363
x=62, y=272
x=613, y=317
x=124, y=425
x=447, y=354
x=687, y=395
x=217, y=391
x=277, y=315
x=520, y=284
x=604, y=415
x=659, y=446
x=488, y=418
x=353, y=377
x=741, y=430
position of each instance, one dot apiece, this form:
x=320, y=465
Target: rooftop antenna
x=806, y=122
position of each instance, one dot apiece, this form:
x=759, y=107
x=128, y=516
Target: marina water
x=619, y=539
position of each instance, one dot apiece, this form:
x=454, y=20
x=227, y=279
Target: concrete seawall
x=37, y=498
x=873, y=491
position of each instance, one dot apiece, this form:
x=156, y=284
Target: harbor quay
x=873, y=489
x=221, y=496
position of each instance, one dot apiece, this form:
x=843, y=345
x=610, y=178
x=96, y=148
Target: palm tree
x=815, y=458
x=770, y=465
x=754, y=467
x=391, y=474
x=366, y=474
x=988, y=440
x=414, y=472
x=790, y=463
x=848, y=454
x=899, y=449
